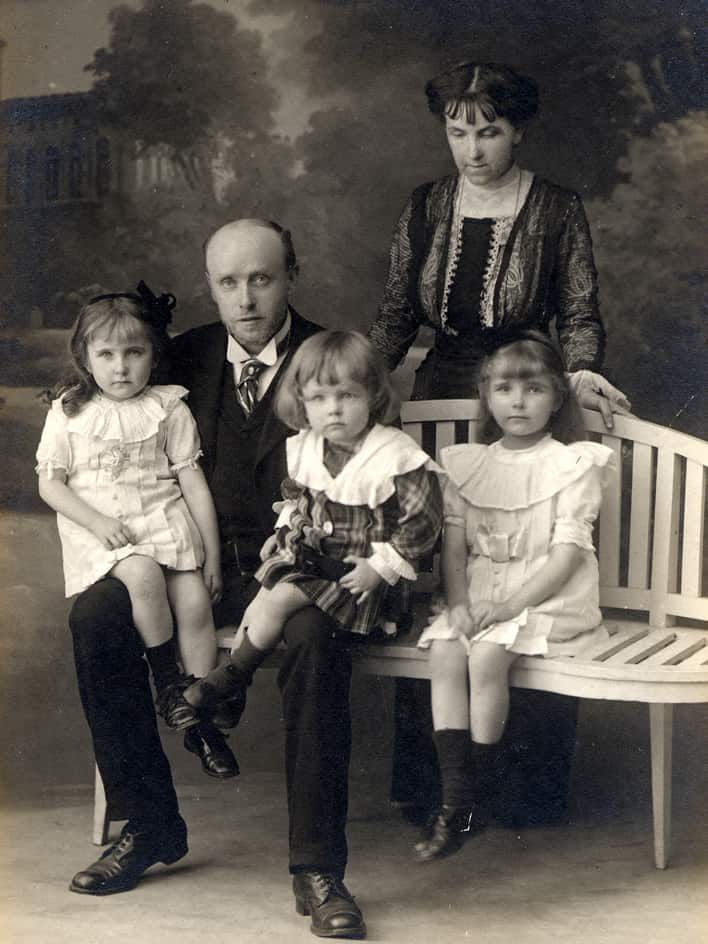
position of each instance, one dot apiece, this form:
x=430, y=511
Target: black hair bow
x=156, y=309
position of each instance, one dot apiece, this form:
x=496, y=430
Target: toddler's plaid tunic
x=383, y=504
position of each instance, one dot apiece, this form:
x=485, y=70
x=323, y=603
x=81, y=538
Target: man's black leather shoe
x=329, y=903
x=209, y=744
x=121, y=867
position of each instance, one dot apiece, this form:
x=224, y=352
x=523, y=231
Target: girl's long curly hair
x=125, y=317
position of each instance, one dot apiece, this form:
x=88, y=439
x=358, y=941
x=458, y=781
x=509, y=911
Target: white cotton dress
x=122, y=458
x=514, y=506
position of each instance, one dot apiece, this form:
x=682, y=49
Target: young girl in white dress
x=118, y=462
x=362, y=505
x=520, y=574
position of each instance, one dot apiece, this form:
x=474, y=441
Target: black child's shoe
x=209, y=744
x=174, y=708
x=224, y=682
x=447, y=832
x=121, y=867
x=330, y=905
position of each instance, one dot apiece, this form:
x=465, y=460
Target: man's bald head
x=251, y=270
x=236, y=226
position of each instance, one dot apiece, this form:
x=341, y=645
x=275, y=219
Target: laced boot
x=174, y=708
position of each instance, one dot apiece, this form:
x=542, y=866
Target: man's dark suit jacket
x=198, y=361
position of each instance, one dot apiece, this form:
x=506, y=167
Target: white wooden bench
x=651, y=549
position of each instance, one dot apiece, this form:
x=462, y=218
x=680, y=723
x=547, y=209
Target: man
x=231, y=368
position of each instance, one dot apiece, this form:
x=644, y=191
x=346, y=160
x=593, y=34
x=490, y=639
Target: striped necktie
x=247, y=386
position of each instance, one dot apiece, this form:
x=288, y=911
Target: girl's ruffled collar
x=509, y=480
x=368, y=477
x=133, y=420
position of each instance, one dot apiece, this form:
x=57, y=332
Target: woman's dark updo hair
x=496, y=90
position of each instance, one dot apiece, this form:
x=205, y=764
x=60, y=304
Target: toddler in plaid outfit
x=362, y=503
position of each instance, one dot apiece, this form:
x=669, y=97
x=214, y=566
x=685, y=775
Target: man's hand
x=361, y=580
x=111, y=532
x=211, y=573
x=595, y=393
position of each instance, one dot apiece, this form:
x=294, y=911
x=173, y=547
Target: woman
x=491, y=246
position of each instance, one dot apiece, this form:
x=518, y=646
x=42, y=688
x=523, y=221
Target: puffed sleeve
x=578, y=505
x=453, y=505
x=396, y=325
x=182, y=446
x=54, y=450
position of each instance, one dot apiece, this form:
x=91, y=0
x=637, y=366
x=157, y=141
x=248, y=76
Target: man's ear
x=293, y=276
x=208, y=282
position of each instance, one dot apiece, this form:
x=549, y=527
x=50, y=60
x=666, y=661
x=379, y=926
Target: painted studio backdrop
x=130, y=131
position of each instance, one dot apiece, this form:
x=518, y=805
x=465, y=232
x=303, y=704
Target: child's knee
x=280, y=603
x=143, y=577
x=447, y=658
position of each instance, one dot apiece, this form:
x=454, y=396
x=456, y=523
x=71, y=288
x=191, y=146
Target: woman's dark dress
x=533, y=771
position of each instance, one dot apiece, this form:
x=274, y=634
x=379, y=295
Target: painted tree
x=186, y=78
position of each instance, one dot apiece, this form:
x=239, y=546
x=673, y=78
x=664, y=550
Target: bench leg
x=101, y=821
x=660, y=725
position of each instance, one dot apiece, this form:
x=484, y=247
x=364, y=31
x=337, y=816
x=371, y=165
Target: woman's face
x=482, y=151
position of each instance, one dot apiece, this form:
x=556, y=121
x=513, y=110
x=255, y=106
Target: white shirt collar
x=237, y=355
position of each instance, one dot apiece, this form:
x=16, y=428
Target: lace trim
x=453, y=259
x=192, y=462
x=501, y=230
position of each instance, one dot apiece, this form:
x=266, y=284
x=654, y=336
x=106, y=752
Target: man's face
x=249, y=282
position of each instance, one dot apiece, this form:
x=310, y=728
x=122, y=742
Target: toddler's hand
x=111, y=532
x=484, y=613
x=362, y=579
x=211, y=573
x=269, y=546
x=459, y=619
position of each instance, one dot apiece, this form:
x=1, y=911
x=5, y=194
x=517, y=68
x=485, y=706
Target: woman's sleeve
x=183, y=447
x=580, y=329
x=54, y=450
x=417, y=528
x=577, y=507
x=396, y=325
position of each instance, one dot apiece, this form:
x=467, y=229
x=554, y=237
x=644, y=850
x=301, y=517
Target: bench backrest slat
x=693, y=529
x=664, y=577
x=608, y=551
x=652, y=527
x=640, y=517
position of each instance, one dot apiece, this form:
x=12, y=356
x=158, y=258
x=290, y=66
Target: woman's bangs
x=466, y=108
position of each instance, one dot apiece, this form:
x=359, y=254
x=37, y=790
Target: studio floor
x=591, y=881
